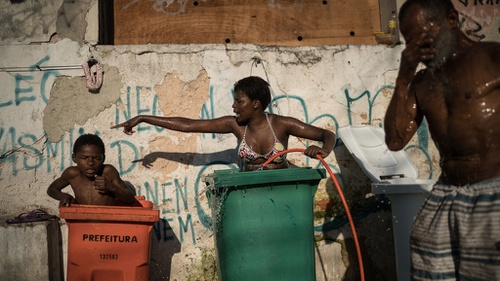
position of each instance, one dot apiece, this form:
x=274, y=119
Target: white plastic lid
x=367, y=146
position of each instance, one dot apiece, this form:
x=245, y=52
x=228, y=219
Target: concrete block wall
x=31, y=251
x=45, y=105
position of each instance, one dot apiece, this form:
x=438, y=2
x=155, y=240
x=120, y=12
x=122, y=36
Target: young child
x=92, y=181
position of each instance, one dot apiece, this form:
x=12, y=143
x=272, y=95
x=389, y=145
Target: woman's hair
x=88, y=139
x=436, y=9
x=255, y=88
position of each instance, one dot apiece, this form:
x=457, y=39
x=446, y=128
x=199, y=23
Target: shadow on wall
x=371, y=215
x=164, y=242
x=164, y=245
x=193, y=159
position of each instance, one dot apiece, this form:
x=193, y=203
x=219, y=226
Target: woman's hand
x=128, y=125
x=313, y=150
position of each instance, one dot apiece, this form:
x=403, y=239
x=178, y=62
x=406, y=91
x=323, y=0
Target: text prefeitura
x=109, y=238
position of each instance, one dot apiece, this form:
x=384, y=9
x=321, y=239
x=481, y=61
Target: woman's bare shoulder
x=287, y=124
x=283, y=119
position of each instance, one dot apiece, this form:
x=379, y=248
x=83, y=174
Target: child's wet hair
x=88, y=139
x=255, y=88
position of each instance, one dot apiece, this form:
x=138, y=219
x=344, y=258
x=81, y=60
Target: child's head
x=88, y=154
x=88, y=139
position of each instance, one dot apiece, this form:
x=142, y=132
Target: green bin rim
x=236, y=178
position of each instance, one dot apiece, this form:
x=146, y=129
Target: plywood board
x=280, y=23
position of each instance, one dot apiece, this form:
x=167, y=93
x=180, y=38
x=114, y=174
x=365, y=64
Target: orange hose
x=344, y=202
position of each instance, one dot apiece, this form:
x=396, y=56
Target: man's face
x=445, y=45
x=418, y=26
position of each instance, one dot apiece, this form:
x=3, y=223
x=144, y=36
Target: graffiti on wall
x=477, y=15
x=167, y=7
x=172, y=8
x=171, y=196
x=20, y=150
x=24, y=91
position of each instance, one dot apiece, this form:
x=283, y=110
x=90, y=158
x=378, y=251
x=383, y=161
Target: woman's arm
x=300, y=129
x=222, y=125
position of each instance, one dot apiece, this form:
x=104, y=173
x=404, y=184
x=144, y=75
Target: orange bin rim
x=147, y=213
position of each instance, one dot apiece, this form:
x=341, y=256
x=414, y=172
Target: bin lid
x=367, y=145
x=235, y=177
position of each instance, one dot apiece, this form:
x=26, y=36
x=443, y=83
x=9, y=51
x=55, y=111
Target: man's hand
x=418, y=50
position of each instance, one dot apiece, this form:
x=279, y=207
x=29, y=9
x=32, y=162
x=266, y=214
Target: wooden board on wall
x=261, y=22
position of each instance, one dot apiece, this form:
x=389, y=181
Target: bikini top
x=248, y=155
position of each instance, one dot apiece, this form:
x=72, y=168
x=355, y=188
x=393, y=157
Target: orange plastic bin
x=109, y=243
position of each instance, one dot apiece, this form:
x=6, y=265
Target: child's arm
x=60, y=183
x=111, y=182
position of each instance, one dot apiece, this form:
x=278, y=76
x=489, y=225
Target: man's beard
x=445, y=46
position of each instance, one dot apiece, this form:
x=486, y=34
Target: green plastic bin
x=263, y=223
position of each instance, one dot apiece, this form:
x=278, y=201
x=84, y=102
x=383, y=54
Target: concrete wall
x=45, y=105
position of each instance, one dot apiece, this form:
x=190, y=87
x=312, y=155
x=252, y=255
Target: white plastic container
x=393, y=174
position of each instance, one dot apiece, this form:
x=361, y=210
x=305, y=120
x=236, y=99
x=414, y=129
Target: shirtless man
x=456, y=236
x=92, y=181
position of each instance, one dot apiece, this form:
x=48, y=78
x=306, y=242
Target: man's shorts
x=456, y=235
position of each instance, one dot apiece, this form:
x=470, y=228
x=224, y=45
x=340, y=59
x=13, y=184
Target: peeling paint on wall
x=177, y=98
x=71, y=21
x=72, y=104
